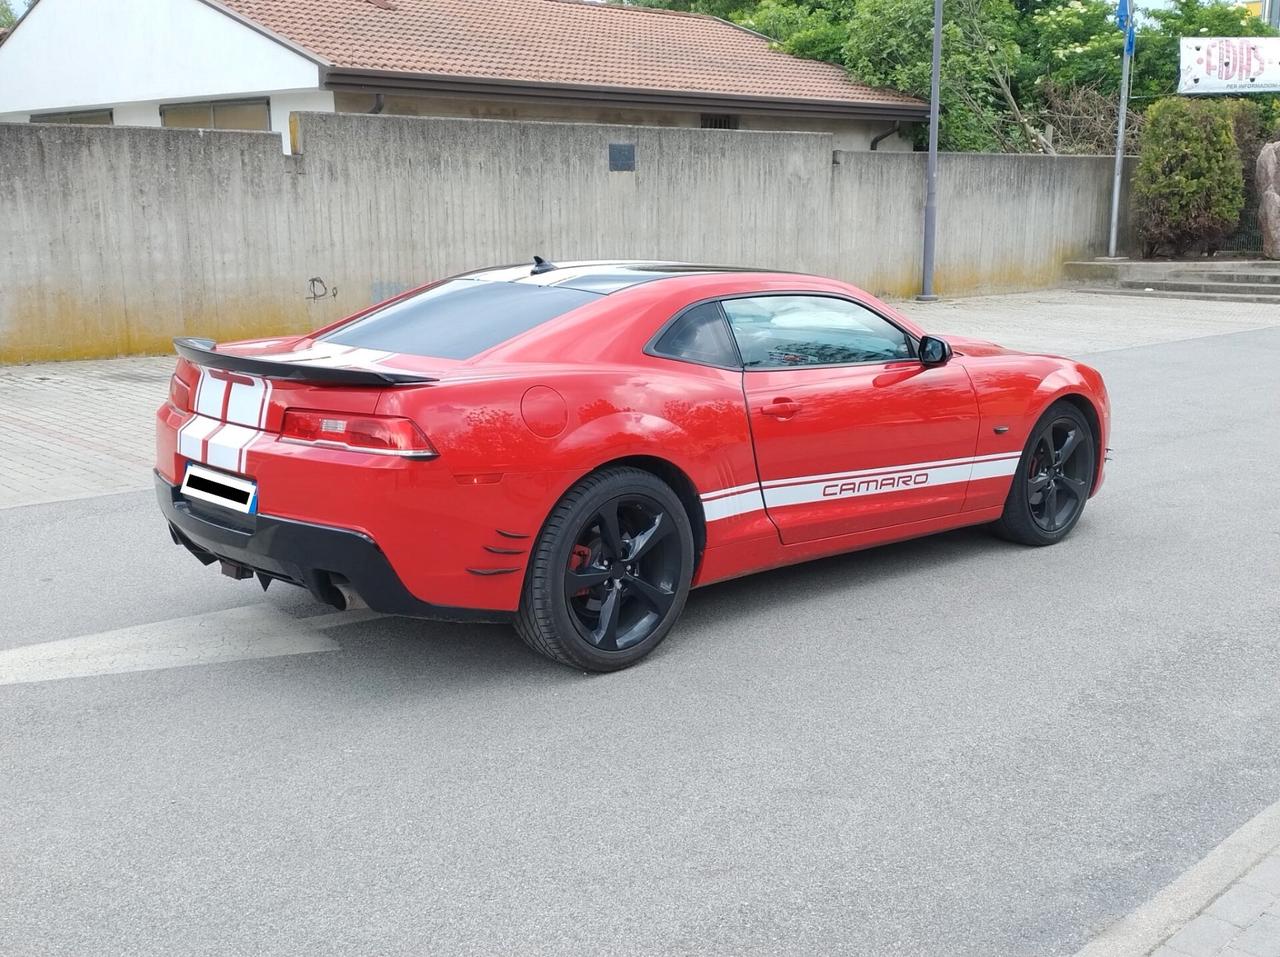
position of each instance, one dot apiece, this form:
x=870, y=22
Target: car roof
x=602, y=276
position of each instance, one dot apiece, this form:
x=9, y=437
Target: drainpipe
x=377, y=104
x=897, y=126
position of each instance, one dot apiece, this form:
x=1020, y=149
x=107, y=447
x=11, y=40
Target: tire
x=601, y=593
x=1046, y=500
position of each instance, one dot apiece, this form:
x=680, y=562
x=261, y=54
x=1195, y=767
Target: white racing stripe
x=810, y=489
x=206, y=438
x=209, y=394
x=321, y=350
x=192, y=435
x=226, y=447
x=352, y=358
x=244, y=406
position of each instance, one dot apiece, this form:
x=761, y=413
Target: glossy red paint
x=860, y=455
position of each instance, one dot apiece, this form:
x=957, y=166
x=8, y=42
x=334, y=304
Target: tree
x=1188, y=188
x=1010, y=67
x=890, y=44
x=7, y=16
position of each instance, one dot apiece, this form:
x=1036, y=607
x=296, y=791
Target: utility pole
x=931, y=170
x=1124, y=16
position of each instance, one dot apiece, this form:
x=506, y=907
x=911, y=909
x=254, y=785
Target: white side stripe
x=809, y=489
x=871, y=485
x=728, y=506
x=918, y=466
x=994, y=468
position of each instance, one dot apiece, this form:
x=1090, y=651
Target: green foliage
x=1073, y=44
x=1251, y=125
x=725, y=9
x=1188, y=188
x=7, y=16
x=891, y=44
x=814, y=32
x=1008, y=65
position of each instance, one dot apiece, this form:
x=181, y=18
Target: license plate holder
x=235, y=492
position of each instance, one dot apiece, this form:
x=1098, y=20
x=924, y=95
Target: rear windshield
x=460, y=318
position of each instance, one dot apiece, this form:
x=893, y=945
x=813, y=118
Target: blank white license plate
x=229, y=491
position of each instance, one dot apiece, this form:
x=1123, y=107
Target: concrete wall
x=1005, y=223
x=114, y=240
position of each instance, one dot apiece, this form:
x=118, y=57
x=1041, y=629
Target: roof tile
x=558, y=42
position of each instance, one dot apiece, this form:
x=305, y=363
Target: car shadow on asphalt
x=463, y=655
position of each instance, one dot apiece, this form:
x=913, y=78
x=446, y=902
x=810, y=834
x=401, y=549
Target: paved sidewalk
x=1243, y=922
x=1226, y=905
x=74, y=429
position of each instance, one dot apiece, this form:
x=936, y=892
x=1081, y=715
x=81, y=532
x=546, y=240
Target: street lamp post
x=1124, y=14
x=931, y=169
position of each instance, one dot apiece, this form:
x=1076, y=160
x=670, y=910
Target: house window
x=218, y=115
x=720, y=121
x=82, y=117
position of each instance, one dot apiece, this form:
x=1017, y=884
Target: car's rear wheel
x=1053, y=481
x=610, y=572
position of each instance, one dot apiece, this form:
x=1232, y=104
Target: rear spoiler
x=202, y=352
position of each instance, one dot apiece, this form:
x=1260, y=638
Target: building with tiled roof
x=246, y=64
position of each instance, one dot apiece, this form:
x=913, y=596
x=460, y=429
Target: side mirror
x=934, y=351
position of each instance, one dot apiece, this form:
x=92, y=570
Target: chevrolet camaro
x=573, y=447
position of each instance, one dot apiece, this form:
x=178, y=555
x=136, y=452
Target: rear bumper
x=300, y=553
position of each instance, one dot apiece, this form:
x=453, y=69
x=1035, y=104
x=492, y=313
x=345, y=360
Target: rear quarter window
x=459, y=318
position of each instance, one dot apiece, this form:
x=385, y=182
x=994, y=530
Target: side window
x=779, y=332
x=700, y=335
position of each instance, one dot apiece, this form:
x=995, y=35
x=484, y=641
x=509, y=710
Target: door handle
x=782, y=408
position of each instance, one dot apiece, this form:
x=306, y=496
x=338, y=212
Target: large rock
x=1269, y=199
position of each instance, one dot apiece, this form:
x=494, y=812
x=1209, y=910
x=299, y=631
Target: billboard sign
x=1230, y=65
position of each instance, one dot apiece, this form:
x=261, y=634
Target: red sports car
x=572, y=448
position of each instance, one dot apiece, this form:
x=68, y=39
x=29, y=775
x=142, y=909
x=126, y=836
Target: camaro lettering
x=863, y=486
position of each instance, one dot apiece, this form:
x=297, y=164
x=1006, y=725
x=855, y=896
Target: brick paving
x=74, y=429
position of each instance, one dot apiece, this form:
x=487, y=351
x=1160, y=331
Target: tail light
x=378, y=434
x=179, y=394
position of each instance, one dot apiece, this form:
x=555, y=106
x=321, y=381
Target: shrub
x=1188, y=189
x=1250, y=121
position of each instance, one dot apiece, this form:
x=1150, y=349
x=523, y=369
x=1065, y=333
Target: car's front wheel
x=610, y=572
x=1053, y=481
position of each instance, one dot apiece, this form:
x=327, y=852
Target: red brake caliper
x=578, y=559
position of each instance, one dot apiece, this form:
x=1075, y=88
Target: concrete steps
x=1225, y=280
x=1166, y=294
x=1199, y=285
x=1222, y=275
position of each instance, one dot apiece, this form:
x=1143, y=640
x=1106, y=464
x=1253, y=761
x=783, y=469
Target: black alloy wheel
x=610, y=572
x=1054, y=478
x=623, y=572
x=1059, y=475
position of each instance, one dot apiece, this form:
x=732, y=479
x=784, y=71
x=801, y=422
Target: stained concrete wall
x=114, y=240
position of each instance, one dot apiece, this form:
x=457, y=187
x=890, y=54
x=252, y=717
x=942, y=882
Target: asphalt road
x=950, y=746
